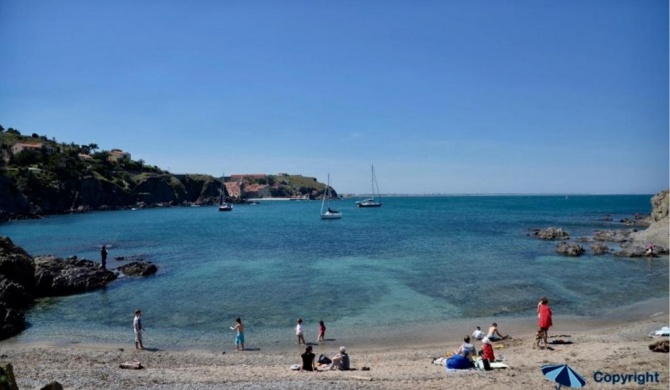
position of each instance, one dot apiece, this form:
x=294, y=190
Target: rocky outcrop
x=16, y=287
x=55, y=276
x=570, y=249
x=7, y=380
x=599, y=248
x=551, y=233
x=613, y=235
x=22, y=279
x=138, y=268
x=659, y=204
x=658, y=232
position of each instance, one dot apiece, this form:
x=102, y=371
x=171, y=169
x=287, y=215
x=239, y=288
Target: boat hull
x=331, y=216
x=363, y=205
x=228, y=207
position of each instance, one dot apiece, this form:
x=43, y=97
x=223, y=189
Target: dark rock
x=15, y=264
x=52, y=386
x=551, y=234
x=569, y=249
x=7, y=381
x=13, y=294
x=660, y=346
x=12, y=322
x=599, y=248
x=613, y=235
x=636, y=250
x=631, y=251
x=138, y=268
x=55, y=276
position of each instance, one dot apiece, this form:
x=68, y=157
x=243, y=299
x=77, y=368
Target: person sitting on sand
x=494, y=334
x=467, y=349
x=308, y=360
x=340, y=361
x=478, y=334
x=487, y=350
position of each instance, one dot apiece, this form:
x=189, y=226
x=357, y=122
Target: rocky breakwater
x=24, y=279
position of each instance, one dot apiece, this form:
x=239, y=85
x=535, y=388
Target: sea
x=375, y=273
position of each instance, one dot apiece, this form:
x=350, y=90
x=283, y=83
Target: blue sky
x=537, y=96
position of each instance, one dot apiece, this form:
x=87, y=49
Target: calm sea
x=415, y=260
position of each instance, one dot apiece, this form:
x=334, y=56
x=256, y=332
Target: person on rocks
x=103, y=257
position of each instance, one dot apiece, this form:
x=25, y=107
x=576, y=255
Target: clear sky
x=490, y=96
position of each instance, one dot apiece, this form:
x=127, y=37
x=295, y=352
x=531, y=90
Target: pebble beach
x=601, y=353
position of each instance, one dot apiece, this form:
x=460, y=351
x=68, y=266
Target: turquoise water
x=415, y=260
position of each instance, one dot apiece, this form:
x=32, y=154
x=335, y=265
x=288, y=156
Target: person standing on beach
x=299, y=332
x=103, y=257
x=322, y=332
x=544, y=317
x=137, y=327
x=239, y=339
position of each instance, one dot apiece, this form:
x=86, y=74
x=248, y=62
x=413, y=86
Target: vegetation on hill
x=48, y=177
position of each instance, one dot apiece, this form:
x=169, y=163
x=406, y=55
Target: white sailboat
x=325, y=202
x=375, y=201
x=223, y=205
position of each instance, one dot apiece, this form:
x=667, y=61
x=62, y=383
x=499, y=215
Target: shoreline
x=400, y=364
x=423, y=335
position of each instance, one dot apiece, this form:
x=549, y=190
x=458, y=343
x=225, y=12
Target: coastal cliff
x=658, y=231
x=39, y=177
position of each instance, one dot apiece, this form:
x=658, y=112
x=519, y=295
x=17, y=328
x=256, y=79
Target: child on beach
x=137, y=327
x=239, y=338
x=299, y=332
x=322, y=331
x=478, y=334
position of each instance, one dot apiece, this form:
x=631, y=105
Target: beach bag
x=323, y=359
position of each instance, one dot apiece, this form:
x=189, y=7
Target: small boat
x=223, y=205
x=325, y=202
x=374, y=201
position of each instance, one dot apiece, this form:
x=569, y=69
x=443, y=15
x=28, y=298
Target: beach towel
x=494, y=365
x=663, y=332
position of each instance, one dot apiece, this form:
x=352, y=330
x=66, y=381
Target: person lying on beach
x=308, y=360
x=340, y=361
x=494, y=334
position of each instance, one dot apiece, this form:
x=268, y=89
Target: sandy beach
x=600, y=350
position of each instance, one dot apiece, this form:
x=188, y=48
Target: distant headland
x=40, y=176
